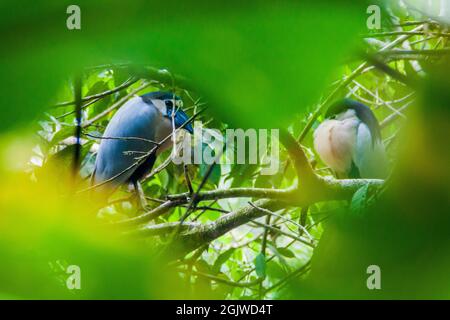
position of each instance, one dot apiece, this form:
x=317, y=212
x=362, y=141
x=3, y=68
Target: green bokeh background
x=257, y=64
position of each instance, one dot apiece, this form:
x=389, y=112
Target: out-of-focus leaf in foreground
x=45, y=228
x=246, y=59
x=407, y=232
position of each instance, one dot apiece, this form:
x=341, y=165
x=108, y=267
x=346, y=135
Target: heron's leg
x=140, y=195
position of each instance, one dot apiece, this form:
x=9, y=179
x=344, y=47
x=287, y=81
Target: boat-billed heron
x=349, y=141
x=131, y=133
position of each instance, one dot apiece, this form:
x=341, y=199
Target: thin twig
x=122, y=138
x=78, y=100
x=124, y=85
x=188, y=179
x=225, y=281
x=100, y=95
x=300, y=271
x=115, y=105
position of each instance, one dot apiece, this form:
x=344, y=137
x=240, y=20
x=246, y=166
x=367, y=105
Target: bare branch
x=122, y=138
x=115, y=105
x=302, y=167
x=124, y=85
x=192, y=235
x=188, y=179
x=225, y=281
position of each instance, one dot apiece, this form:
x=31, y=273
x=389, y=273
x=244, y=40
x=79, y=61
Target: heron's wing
x=369, y=155
x=117, y=158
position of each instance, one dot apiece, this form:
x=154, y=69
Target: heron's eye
x=169, y=103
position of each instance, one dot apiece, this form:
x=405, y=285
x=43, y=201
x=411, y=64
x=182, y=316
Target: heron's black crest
x=363, y=112
x=159, y=95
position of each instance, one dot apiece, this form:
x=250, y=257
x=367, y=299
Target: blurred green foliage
x=255, y=65
x=246, y=55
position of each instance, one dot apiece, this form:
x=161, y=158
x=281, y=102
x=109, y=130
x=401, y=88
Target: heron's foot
x=142, y=201
x=140, y=196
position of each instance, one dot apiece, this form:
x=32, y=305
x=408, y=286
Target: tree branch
x=313, y=188
x=279, y=194
x=298, y=157
x=124, y=85
x=115, y=105
x=194, y=235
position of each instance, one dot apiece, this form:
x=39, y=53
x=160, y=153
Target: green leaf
x=203, y=266
x=286, y=252
x=359, y=200
x=226, y=53
x=242, y=174
x=275, y=270
x=62, y=134
x=101, y=105
x=214, y=177
x=221, y=259
x=276, y=253
x=260, y=265
x=263, y=181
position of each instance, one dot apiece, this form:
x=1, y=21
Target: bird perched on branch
x=349, y=141
x=137, y=133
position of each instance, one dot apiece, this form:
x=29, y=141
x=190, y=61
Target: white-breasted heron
x=349, y=141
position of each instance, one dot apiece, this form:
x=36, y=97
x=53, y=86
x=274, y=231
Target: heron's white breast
x=164, y=130
x=334, y=141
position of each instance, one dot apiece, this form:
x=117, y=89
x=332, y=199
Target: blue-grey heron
x=136, y=131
